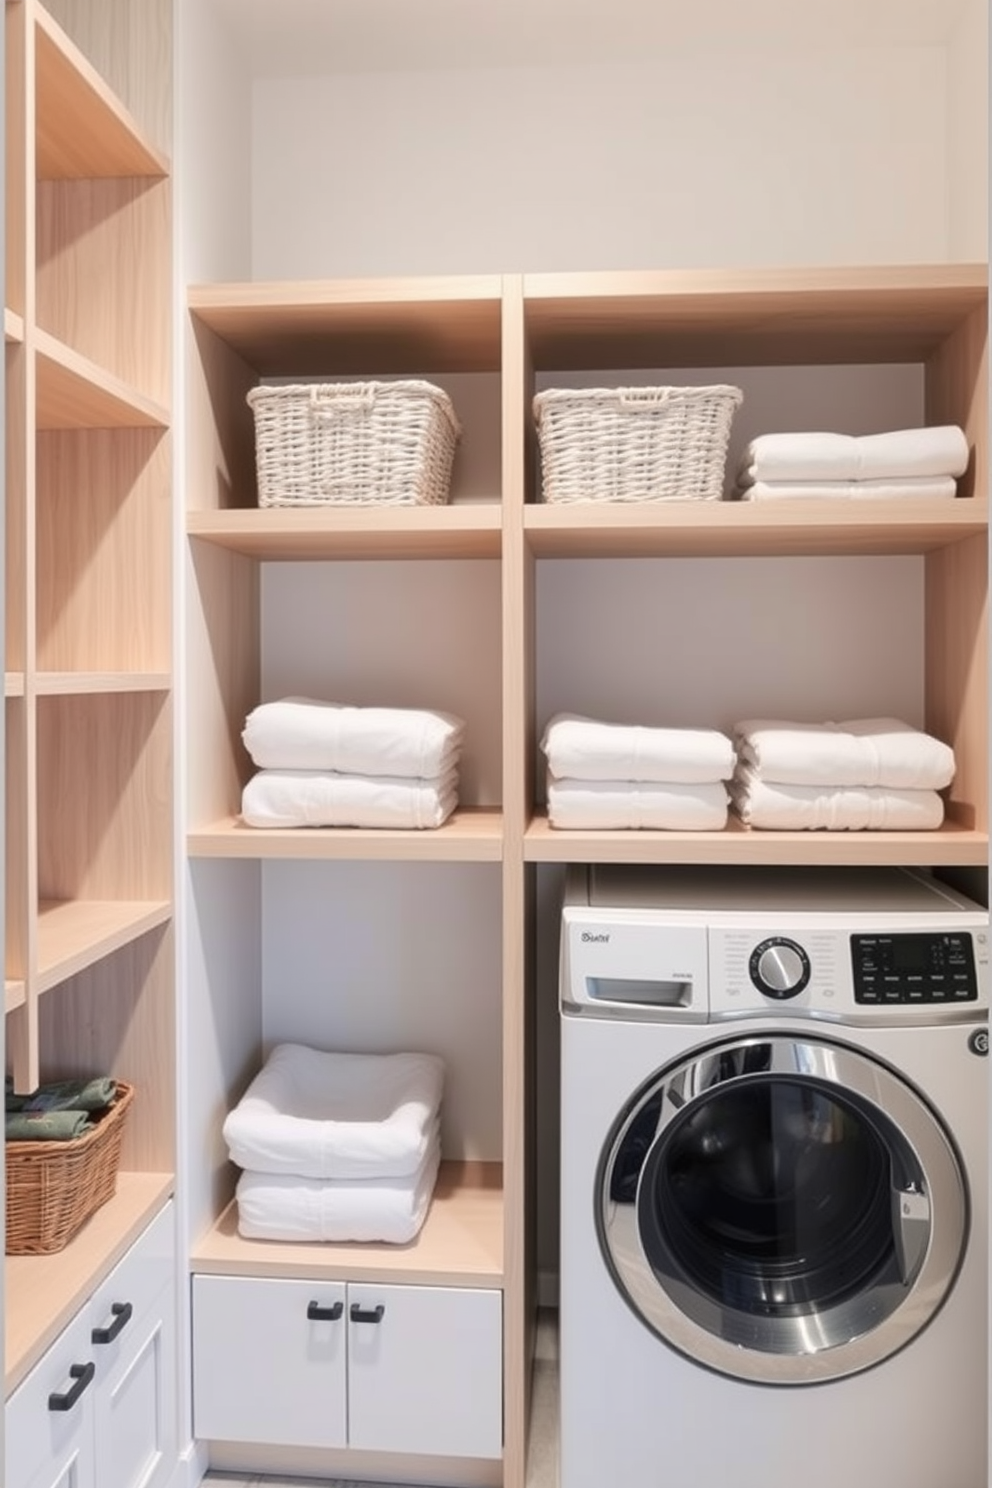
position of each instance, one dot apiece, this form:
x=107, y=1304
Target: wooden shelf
x=471, y=835
x=461, y=1243
x=82, y=130
x=13, y=326
x=357, y=327
x=758, y=317
x=278, y=533
x=15, y=994
x=949, y=846
x=13, y=684
x=41, y=1293
x=75, y=934
x=735, y=529
x=74, y=393
x=67, y=684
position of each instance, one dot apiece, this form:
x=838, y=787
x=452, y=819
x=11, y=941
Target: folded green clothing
x=65, y=1095
x=46, y=1126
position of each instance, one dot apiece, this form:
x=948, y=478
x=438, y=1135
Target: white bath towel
x=933, y=487
x=316, y=1113
x=579, y=748
x=594, y=805
x=272, y=1206
x=784, y=808
x=302, y=734
x=938, y=450
x=311, y=798
x=881, y=752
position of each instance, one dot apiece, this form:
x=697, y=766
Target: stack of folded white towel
x=903, y=463
x=337, y=1146
x=606, y=775
x=329, y=765
x=865, y=773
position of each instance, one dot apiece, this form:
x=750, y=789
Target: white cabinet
x=99, y=1410
x=408, y=1369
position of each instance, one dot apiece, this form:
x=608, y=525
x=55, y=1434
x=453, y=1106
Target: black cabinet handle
x=363, y=1315
x=122, y=1316
x=82, y=1374
x=318, y=1314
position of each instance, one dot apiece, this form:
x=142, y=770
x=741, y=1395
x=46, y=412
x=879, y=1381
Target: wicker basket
x=54, y=1187
x=352, y=443
x=635, y=444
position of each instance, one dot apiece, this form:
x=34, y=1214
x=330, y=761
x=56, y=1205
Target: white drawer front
x=427, y=1376
x=263, y=1370
x=45, y=1446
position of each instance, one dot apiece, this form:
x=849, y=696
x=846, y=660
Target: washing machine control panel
x=913, y=968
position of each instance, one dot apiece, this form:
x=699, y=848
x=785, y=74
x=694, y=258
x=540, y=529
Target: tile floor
x=542, y=1456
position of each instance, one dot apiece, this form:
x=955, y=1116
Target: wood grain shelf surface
x=735, y=529
x=951, y=845
x=43, y=1292
x=357, y=327
x=14, y=993
x=74, y=934
x=13, y=684
x=461, y=1243
x=82, y=129
x=281, y=533
x=697, y=318
x=74, y=393
x=471, y=835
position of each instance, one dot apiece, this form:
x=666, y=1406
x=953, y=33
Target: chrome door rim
x=817, y=1346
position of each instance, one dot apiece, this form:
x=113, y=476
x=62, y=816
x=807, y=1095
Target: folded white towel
x=927, y=487
x=653, y=805
x=857, y=752
x=302, y=734
x=579, y=748
x=784, y=808
x=317, y=1113
x=311, y=798
x=939, y=450
x=273, y=1206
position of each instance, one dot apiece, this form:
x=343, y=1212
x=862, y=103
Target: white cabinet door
x=133, y=1342
x=425, y=1370
x=269, y=1361
x=49, y=1418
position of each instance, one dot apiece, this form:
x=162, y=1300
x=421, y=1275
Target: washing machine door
x=782, y=1209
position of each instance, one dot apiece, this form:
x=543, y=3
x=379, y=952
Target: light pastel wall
x=706, y=158
x=968, y=135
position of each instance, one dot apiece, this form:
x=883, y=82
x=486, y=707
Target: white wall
x=705, y=158
x=968, y=134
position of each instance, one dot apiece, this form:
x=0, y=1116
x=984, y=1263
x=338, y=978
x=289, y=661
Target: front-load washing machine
x=774, y=1180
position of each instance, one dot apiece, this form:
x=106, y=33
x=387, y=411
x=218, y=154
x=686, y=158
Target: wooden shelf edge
x=950, y=846
x=456, y=531
x=13, y=684
x=75, y=393
x=75, y=934
x=83, y=129
x=735, y=529
x=461, y=1243
x=13, y=326
x=15, y=994
x=67, y=684
x=42, y=1293
x=471, y=835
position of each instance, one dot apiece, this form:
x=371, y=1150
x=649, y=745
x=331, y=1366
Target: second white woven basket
x=635, y=444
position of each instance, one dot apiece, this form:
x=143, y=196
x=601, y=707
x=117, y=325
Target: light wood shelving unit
x=523, y=327
x=90, y=974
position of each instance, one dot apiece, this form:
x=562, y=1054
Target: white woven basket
x=353, y=443
x=635, y=444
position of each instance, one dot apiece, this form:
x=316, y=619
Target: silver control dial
x=779, y=967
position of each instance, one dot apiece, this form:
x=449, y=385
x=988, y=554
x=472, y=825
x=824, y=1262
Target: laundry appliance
x=774, y=1179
